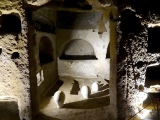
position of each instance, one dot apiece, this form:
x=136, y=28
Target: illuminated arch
x=77, y=50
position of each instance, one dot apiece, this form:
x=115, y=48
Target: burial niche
x=9, y=108
x=153, y=39
x=15, y=55
x=10, y=23
x=152, y=76
x=46, y=54
x=129, y=22
x=78, y=50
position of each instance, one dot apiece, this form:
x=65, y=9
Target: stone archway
x=77, y=50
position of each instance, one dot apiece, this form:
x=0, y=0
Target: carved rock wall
x=14, y=70
x=133, y=56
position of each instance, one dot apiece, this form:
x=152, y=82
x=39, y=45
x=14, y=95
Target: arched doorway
x=46, y=54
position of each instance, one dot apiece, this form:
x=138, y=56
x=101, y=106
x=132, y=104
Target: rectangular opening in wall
x=152, y=82
x=153, y=39
x=10, y=23
x=9, y=108
x=153, y=78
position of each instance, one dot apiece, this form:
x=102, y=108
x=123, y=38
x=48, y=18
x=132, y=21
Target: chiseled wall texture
x=14, y=71
x=99, y=67
x=134, y=56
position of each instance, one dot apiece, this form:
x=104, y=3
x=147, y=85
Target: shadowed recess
x=77, y=50
x=152, y=76
x=45, y=51
x=153, y=40
x=15, y=55
x=9, y=109
x=10, y=23
x=129, y=22
x=43, y=19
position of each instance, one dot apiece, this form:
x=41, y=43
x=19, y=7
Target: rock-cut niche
x=77, y=50
x=153, y=40
x=129, y=22
x=10, y=23
x=152, y=76
x=46, y=51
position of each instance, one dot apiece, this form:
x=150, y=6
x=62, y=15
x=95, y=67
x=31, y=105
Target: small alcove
x=10, y=23
x=9, y=108
x=129, y=22
x=153, y=40
x=46, y=54
x=152, y=76
x=78, y=50
x=15, y=55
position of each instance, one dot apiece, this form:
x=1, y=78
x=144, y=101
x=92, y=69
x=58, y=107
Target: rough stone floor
x=75, y=106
